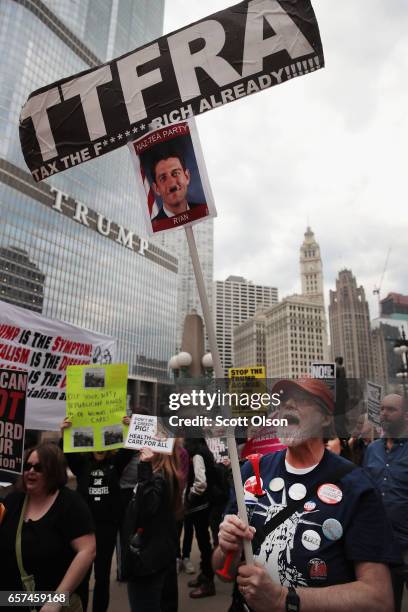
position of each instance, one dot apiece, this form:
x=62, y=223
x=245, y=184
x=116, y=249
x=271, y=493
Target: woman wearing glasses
x=46, y=538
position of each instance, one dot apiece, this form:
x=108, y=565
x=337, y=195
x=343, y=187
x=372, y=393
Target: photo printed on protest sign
x=172, y=178
x=231, y=54
x=13, y=386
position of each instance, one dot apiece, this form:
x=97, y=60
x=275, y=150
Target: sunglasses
x=37, y=467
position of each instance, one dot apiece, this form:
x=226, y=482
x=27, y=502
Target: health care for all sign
x=146, y=431
x=13, y=385
x=231, y=54
x=44, y=348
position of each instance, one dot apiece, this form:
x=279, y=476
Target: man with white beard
x=320, y=536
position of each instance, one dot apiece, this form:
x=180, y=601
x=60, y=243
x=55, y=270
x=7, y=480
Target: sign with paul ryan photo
x=13, y=386
x=172, y=178
x=229, y=55
x=96, y=405
x=46, y=347
x=145, y=432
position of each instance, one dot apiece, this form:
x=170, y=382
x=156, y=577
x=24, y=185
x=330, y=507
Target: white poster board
x=144, y=432
x=374, y=395
x=45, y=348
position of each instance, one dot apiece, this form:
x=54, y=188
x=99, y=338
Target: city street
x=219, y=603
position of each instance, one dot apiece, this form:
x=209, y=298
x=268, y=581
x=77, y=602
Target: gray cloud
x=327, y=149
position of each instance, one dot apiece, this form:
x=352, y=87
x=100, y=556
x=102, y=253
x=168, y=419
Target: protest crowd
x=327, y=517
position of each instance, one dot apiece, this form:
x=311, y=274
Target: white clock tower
x=311, y=268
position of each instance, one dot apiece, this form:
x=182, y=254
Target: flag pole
x=219, y=374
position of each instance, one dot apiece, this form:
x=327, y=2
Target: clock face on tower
x=310, y=267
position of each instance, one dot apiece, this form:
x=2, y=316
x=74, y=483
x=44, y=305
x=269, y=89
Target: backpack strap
x=293, y=505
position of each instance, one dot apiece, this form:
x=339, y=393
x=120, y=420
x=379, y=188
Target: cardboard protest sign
x=249, y=385
x=374, y=395
x=326, y=372
x=46, y=347
x=96, y=404
x=144, y=432
x=218, y=448
x=172, y=179
x=233, y=53
x=13, y=386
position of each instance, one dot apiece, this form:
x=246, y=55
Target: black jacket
x=150, y=510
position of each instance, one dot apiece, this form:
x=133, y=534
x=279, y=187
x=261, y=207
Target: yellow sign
x=96, y=404
x=247, y=372
x=247, y=383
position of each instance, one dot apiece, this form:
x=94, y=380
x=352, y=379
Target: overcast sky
x=327, y=149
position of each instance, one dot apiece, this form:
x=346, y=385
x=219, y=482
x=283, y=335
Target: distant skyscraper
x=311, y=274
x=385, y=362
x=21, y=280
x=386, y=329
x=236, y=300
x=311, y=268
x=350, y=327
x=394, y=306
x=249, y=342
x=295, y=332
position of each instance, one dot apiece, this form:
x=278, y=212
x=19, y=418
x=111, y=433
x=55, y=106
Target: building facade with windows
x=350, y=333
x=236, y=301
x=294, y=337
x=249, y=342
x=292, y=334
x=75, y=242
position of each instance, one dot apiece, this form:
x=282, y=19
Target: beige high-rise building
x=311, y=274
x=249, y=342
x=311, y=268
x=236, y=301
x=350, y=327
x=295, y=332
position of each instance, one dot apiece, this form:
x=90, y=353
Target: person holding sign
x=149, y=534
x=46, y=536
x=98, y=475
x=321, y=539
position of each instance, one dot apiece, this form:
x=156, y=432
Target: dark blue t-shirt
x=388, y=467
x=320, y=543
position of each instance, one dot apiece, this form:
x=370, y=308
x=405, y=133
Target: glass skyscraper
x=72, y=247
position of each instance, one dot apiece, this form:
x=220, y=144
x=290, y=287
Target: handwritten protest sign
x=96, y=404
x=144, y=432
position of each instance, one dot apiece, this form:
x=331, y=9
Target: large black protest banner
x=231, y=54
x=13, y=385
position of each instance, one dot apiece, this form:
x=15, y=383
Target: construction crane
x=377, y=290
